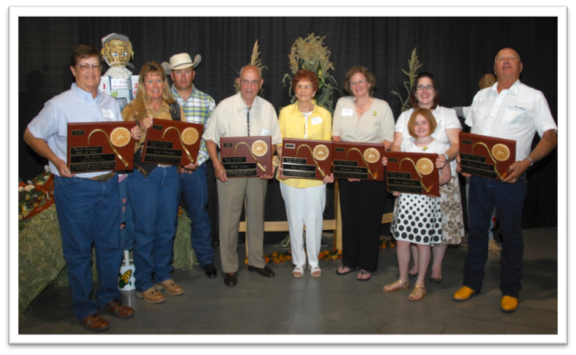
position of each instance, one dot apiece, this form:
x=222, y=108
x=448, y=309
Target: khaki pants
x=231, y=200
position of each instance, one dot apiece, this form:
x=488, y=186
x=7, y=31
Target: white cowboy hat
x=181, y=61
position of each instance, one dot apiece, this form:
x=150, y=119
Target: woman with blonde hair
x=153, y=190
x=365, y=119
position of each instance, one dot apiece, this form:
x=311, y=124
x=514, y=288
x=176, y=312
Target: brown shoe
x=95, y=323
x=171, y=287
x=116, y=308
x=262, y=271
x=230, y=279
x=151, y=295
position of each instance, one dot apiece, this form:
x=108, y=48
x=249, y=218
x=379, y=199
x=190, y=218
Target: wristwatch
x=531, y=161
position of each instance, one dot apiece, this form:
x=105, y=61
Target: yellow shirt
x=318, y=126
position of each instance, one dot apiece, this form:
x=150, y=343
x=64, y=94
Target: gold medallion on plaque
x=120, y=136
x=259, y=148
x=500, y=152
x=424, y=166
x=321, y=152
x=371, y=155
x=189, y=136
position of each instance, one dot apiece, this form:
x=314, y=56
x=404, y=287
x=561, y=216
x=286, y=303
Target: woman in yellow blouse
x=305, y=199
x=153, y=190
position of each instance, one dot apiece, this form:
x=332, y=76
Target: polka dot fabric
x=417, y=219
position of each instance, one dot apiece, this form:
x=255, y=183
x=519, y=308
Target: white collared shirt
x=516, y=113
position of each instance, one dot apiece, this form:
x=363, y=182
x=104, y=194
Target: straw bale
x=40, y=257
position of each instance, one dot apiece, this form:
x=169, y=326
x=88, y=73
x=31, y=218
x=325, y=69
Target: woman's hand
x=146, y=123
x=354, y=180
x=135, y=133
x=384, y=160
x=396, y=193
x=329, y=178
x=281, y=173
x=441, y=161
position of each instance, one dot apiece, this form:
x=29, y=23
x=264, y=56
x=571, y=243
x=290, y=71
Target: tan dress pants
x=231, y=200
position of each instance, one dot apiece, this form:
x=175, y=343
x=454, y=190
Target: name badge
x=107, y=113
x=316, y=120
x=347, y=112
x=265, y=132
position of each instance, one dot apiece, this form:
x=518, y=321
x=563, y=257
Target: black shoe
x=435, y=280
x=262, y=271
x=230, y=279
x=210, y=270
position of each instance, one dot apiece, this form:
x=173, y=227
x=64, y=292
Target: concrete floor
x=330, y=304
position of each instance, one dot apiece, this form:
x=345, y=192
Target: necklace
x=361, y=108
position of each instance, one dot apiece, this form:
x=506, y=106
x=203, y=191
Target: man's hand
x=220, y=173
x=354, y=180
x=515, y=170
x=266, y=177
x=63, y=169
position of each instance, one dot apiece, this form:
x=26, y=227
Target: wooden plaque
x=306, y=159
x=172, y=142
x=485, y=156
x=358, y=160
x=246, y=156
x=413, y=173
x=100, y=146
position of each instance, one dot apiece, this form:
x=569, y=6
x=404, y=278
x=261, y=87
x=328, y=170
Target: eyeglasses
x=86, y=67
x=304, y=87
x=249, y=82
x=427, y=87
x=354, y=83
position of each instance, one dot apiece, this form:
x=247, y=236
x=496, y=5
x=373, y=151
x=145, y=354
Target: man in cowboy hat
x=197, y=107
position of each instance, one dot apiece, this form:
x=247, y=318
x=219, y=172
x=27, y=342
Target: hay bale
x=184, y=256
x=41, y=260
x=40, y=257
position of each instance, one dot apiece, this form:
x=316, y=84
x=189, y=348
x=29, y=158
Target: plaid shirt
x=197, y=109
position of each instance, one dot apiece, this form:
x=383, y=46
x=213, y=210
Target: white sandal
x=298, y=272
x=315, y=271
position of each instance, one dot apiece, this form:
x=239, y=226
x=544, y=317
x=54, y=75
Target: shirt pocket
x=514, y=115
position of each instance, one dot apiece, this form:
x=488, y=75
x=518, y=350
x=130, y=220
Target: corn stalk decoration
x=413, y=65
x=255, y=61
x=310, y=54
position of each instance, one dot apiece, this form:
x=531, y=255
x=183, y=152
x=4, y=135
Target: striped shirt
x=197, y=109
x=516, y=113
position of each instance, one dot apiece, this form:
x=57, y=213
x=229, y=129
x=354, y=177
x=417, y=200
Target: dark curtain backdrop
x=458, y=51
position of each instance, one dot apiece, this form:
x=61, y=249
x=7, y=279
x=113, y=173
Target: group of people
x=88, y=203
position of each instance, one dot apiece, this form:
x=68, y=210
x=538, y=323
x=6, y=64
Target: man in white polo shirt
x=508, y=110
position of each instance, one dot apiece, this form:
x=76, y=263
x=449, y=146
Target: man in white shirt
x=509, y=110
x=244, y=114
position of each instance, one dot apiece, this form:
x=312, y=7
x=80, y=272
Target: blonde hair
x=427, y=114
x=141, y=99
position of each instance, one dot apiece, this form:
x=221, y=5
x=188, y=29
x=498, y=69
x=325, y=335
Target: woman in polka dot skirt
x=417, y=218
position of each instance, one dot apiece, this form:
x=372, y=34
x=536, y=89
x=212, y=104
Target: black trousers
x=361, y=205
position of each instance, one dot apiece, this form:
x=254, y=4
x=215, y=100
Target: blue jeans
x=88, y=213
x=509, y=201
x=154, y=212
x=195, y=190
x=126, y=233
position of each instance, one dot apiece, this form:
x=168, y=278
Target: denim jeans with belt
x=154, y=212
x=89, y=213
x=509, y=201
x=195, y=190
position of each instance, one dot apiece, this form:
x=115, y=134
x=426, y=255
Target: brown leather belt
x=103, y=178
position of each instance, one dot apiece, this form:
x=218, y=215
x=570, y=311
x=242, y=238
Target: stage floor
x=330, y=304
